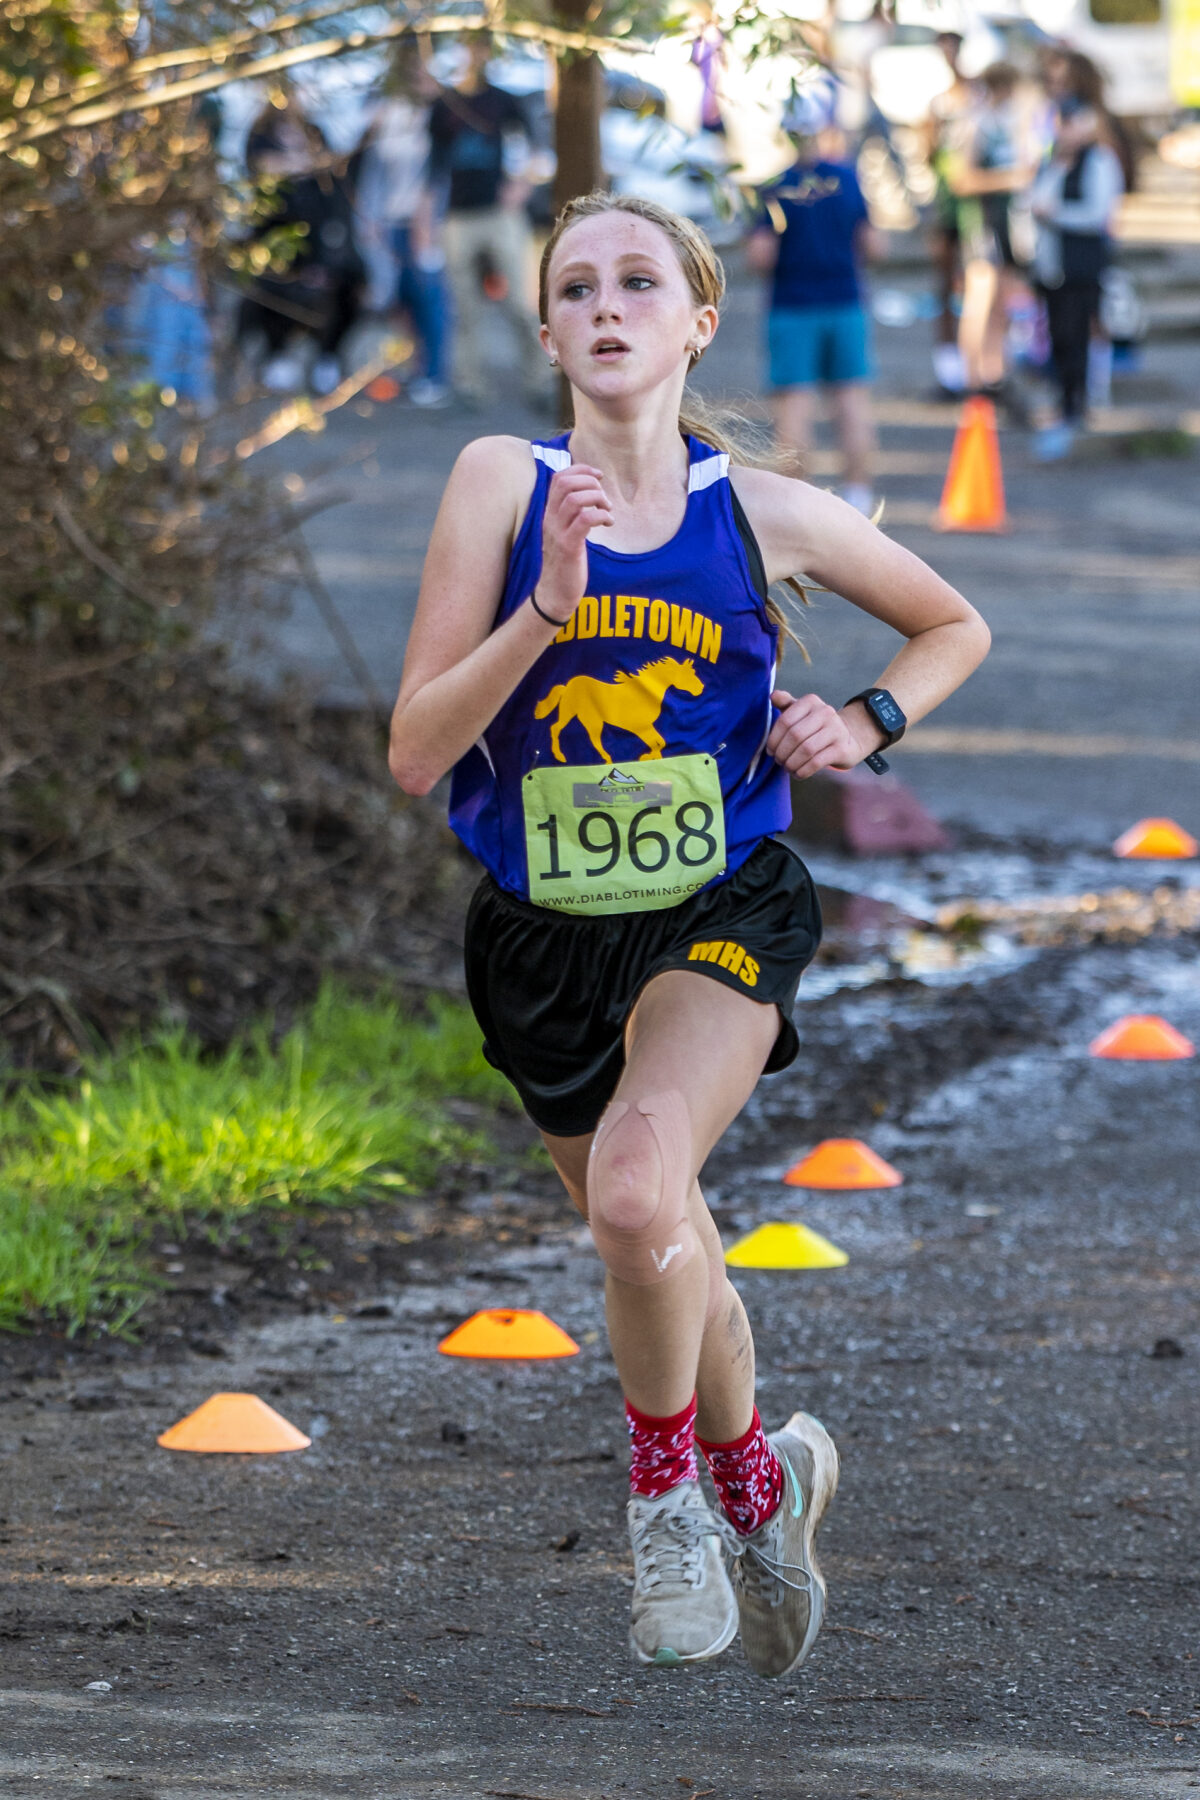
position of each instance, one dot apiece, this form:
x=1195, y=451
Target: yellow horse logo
x=631, y=702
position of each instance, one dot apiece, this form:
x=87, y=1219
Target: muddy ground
x=432, y=1600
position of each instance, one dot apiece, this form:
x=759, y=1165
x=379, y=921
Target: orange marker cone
x=973, y=497
x=842, y=1163
x=1156, y=838
x=502, y=1334
x=1142, y=1037
x=237, y=1424
x=785, y=1246
x=384, y=387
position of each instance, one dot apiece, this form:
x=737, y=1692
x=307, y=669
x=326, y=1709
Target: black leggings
x=1070, y=310
x=328, y=313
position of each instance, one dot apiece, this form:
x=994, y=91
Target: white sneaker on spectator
x=282, y=374
x=858, y=495
x=948, y=370
x=326, y=373
x=423, y=392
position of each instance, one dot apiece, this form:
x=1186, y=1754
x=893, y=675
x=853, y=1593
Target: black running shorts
x=552, y=994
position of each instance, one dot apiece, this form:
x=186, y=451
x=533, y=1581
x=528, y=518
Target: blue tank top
x=687, y=628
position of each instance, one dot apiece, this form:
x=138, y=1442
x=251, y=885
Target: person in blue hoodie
x=811, y=236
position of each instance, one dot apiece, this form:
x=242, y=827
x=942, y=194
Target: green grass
x=348, y=1105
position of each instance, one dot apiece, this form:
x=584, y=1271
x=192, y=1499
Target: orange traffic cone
x=1142, y=1037
x=384, y=387
x=503, y=1334
x=973, y=497
x=238, y=1424
x=842, y=1163
x=1159, y=839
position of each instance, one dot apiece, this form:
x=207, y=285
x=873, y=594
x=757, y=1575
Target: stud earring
x=554, y=362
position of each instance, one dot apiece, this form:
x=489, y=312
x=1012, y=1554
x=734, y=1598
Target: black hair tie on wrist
x=549, y=617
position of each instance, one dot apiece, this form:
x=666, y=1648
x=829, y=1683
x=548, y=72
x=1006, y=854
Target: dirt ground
x=432, y=1600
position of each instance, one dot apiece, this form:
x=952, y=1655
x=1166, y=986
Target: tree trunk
x=577, y=115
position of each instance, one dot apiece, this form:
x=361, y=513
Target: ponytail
x=733, y=433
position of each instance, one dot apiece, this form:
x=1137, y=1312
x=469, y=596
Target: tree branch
x=320, y=49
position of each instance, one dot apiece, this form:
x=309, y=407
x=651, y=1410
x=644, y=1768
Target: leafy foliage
x=348, y=1104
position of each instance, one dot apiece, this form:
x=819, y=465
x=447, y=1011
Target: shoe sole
x=671, y=1659
x=826, y=1466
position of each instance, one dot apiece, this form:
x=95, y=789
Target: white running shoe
x=780, y=1589
x=683, y=1604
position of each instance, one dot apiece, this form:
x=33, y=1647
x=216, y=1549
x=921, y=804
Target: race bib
x=604, y=839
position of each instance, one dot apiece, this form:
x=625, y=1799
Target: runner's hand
x=809, y=734
x=577, y=504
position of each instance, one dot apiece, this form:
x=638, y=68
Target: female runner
x=593, y=655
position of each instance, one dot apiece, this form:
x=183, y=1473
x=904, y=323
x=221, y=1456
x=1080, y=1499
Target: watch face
x=887, y=712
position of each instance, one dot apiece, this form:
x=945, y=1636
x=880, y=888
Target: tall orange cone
x=237, y=1424
x=1142, y=1037
x=973, y=497
x=1160, y=839
x=504, y=1334
x=842, y=1163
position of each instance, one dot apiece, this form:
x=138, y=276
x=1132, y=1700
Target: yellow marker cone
x=1142, y=1037
x=1156, y=839
x=504, y=1334
x=843, y=1163
x=234, y=1424
x=785, y=1246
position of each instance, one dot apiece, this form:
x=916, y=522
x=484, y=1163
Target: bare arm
x=762, y=250
x=801, y=529
x=870, y=242
x=458, y=672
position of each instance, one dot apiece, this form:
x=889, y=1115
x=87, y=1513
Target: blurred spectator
x=166, y=320
x=166, y=323
x=321, y=289
x=990, y=177
x=810, y=237
x=486, y=221
x=395, y=204
x=1074, y=197
x=1074, y=83
x=708, y=56
x=945, y=134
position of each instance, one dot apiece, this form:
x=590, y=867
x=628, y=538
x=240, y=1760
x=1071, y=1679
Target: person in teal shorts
x=811, y=236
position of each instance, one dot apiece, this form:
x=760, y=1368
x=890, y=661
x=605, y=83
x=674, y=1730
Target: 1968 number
x=649, y=850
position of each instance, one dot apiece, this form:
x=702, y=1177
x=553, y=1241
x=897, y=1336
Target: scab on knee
x=639, y=1178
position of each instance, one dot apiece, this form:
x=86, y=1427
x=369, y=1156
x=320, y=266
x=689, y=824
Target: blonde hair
x=724, y=429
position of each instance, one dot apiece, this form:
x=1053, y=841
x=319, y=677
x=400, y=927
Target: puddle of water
x=869, y=938
x=890, y=925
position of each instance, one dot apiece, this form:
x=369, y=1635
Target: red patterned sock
x=747, y=1475
x=664, y=1450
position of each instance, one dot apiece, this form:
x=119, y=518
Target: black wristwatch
x=890, y=720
